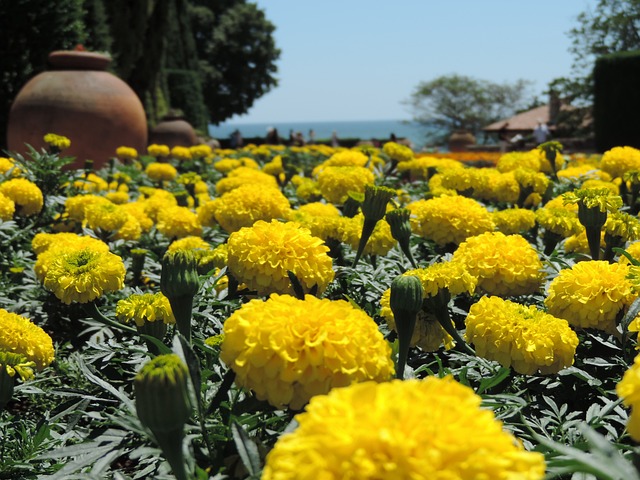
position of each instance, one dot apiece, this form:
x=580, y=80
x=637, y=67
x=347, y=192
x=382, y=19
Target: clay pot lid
x=78, y=60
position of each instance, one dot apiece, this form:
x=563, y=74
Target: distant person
x=541, y=132
x=272, y=136
x=292, y=137
x=298, y=140
x=236, y=139
x=393, y=138
x=334, y=139
x=312, y=137
x=503, y=137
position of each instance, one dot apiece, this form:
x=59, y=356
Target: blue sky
x=359, y=59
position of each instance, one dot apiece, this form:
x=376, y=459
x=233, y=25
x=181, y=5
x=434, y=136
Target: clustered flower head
x=449, y=219
x=514, y=220
x=288, y=350
x=414, y=429
x=25, y=194
x=156, y=150
x=178, y=222
x=619, y=160
x=520, y=336
x=19, y=336
x=590, y=294
x=161, y=172
x=335, y=183
x=58, y=141
x=145, y=307
x=628, y=389
x=127, y=153
x=262, y=255
x=7, y=208
x=83, y=274
x=597, y=198
x=559, y=221
x=245, y=205
x=397, y=152
x=505, y=265
x=623, y=225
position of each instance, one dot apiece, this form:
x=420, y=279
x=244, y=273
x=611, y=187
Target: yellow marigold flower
x=437, y=189
x=590, y=294
x=201, y=151
x=428, y=334
x=316, y=209
x=19, y=335
x=619, y=160
x=600, y=198
x=147, y=307
x=380, y=241
x=558, y=202
x=308, y=190
x=628, y=389
x=612, y=187
x=559, y=221
x=225, y=165
x=397, y=152
x=288, y=350
x=91, y=183
x=105, y=216
x=260, y=256
x=521, y=337
x=492, y=186
x=422, y=168
x=178, y=222
x=126, y=153
x=130, y=230
x=511, y=161
x=506, y=265
x=343, y=158
x=161, y=172
x=137, y=210
x=189, y=243
x=206, y=213
x=119, y=198
x=245, y=205
x=274, y=167
x=583, y=172
x=25, y=194
x=181, y=153
x=449, y=219
x=75, y=207
x=43, y=241
x=59, y=141
x=13, y=363
x=7, y=208
x=9, y=168
x=622, y=225
x=335, y=183
x=514, y=220
x=415, y=429
x=244, y=176
x=536, y=181
x=156, y=150
x=82, y=275
x=450, y=275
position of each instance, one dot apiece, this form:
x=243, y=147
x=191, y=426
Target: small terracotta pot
x=173, y=131
x=79, y=99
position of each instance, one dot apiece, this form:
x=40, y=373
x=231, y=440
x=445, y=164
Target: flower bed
x=311, y=312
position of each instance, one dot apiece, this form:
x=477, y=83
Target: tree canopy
x=209, y=58
x=459, y=102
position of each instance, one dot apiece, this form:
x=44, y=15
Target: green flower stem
x=611, y=242
x=171, y=444
x=405, y=325
x=6, y=387
x=367, y=230
x=92, y=309
x=593, y=237
x=550, y=240
x=224, y=387
x=182, y=307
x=439, y=305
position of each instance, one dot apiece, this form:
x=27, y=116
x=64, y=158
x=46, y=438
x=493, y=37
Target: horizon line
x=241, y=122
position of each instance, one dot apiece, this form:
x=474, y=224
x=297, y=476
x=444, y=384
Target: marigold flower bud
x=179, y=274
x=398, y=220
x=405, y=302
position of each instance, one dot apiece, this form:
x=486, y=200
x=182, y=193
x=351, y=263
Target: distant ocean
x=366, y=130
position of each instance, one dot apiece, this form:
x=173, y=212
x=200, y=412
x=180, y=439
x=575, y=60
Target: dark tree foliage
x=29, y=31
x=237, y=53
x=612, y=26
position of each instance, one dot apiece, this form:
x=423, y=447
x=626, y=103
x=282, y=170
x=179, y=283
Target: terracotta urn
x=79, y=99
x=460, y=140
x=174, y=131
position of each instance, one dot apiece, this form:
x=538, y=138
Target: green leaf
x=493, y=381
x=296, y=285
x=247, y=449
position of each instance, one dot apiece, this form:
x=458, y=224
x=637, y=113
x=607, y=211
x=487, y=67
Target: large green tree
x=459, y=102
x=237, y=54
x=611, y=26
